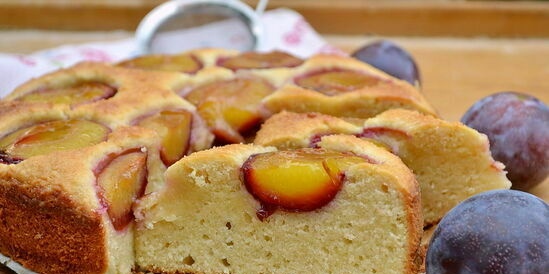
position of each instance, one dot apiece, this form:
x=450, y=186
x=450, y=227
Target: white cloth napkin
x=285, y=30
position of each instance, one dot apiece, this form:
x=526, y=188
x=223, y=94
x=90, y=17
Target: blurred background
x=76, y=21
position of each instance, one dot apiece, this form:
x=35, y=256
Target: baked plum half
x=174, y=128
x=121, y=180
x=335, y=81
x=73, y=94
x=185, y=63
x=296, y=180
x=230, y=108
x=47, y=137
x=259, y=60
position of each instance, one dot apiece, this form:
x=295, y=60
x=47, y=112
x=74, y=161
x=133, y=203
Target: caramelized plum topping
x=257, y=60
x=185, y=63
x=174, y=128
x=52, y=136
x=298, y=180
x=121, y=180
x=75, y=94
x=230, y=108
x=335, y=81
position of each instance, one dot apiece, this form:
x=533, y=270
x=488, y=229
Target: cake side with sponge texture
x=207, y=221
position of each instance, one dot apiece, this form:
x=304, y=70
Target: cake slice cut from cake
x=71, y=211
x=346, y=206
x=450, y=160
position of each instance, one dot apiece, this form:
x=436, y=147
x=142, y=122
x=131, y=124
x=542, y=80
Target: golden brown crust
x=425, y=240
x=43, y=230
x=407, y=120
x=51, y=172
x=302, y=127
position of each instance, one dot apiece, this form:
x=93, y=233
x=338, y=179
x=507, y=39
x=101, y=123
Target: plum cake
x=84, y=152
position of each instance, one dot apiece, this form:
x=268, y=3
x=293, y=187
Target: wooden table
x=456, y=71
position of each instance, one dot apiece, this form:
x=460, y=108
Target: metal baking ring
x=158, y=16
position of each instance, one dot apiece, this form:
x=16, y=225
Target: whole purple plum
x=499, y=231
x=517, y=126
x=390, y=58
